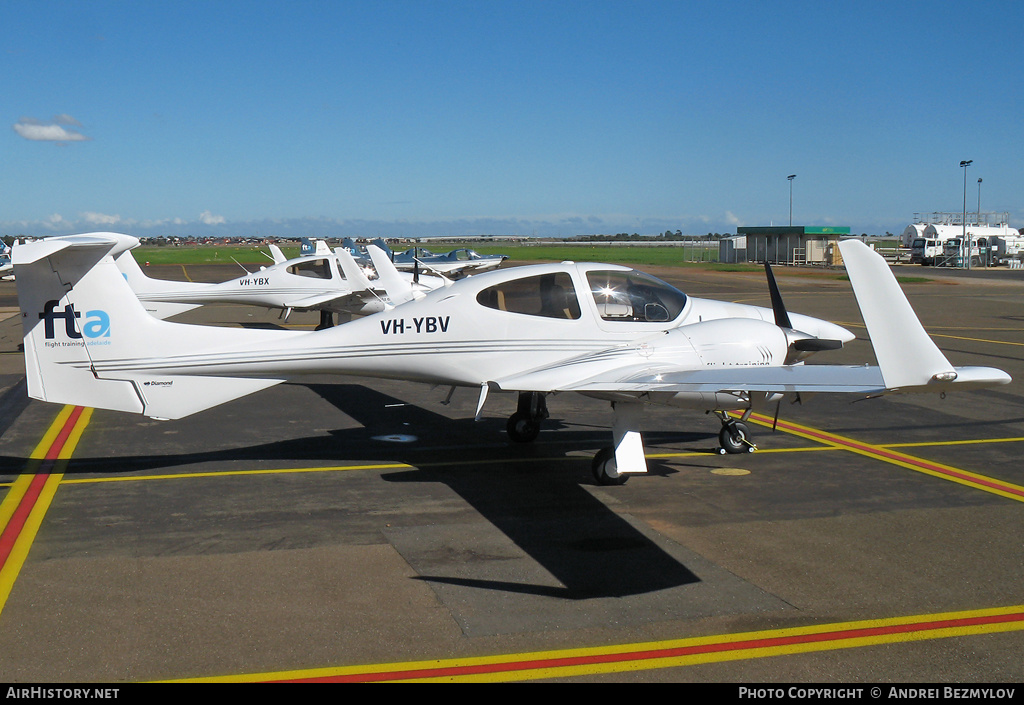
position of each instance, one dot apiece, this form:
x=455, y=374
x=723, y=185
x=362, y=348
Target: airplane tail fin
x=150, y=290
x=136, y=278
x=399, y=290
x=379, y=242
x=352, y=271
x=908, y=358
x=89, y=341
x=276, y=254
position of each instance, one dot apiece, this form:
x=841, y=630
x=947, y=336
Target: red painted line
x=13, y=529
x=20, y=516
x=668, y=653
x=58, y=443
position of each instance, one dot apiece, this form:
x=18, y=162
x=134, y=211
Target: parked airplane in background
x=314, y=246
x=601, y=330
x=6, y=268
x=455, y=263
x=330, y=282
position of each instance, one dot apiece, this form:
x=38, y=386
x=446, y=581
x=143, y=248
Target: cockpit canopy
x=634, y=296
x=618, y=295
x=550, y=295
x=317, y=268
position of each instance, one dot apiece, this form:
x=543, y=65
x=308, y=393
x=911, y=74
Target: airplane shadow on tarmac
x=589, y=549
x=539, y=499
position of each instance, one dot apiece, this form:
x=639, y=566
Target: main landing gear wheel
x=604, y=469
x=735, y=438
x=524, y=425
x=522, y=428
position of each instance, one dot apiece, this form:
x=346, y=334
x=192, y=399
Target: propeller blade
x=781, y=317
x=816, y=344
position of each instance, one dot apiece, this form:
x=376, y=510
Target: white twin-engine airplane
x=330, y=282
x=602, y=330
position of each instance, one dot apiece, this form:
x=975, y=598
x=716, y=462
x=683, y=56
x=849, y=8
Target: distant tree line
x=667, y=235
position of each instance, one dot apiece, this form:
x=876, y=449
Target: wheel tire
x=739, y=443
x=521, y=428
x=603, y=467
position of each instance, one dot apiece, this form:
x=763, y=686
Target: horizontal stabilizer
x=92, y=247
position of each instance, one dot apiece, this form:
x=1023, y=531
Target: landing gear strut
x=734, y=436
x=524, y=425
x=326, y=320
x=614, y=465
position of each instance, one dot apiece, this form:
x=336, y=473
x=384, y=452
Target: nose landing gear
x=734, y=436
x=524, y=425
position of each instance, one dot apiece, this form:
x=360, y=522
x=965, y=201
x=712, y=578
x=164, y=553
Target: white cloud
x=209, y=218
x=53, y=131
x=55, y=221
x=100, y=218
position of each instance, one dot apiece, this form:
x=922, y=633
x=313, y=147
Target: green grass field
x=639, y=257
x=634, y=256
x=207, y=254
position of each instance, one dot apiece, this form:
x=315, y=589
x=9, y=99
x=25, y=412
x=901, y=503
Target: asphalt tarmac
x=361, y=529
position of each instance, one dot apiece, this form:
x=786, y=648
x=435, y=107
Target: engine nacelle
x=737, y=343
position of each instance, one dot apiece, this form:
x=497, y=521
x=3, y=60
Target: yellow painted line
x=946, y=472
x=1005, y=330
x=956, y=337
x=230, y=473
x=23, y=509
x=406, y=466
x=20, y=485
x=973, y=441
x=676, y=653
x=976, y=340
x=704, y=453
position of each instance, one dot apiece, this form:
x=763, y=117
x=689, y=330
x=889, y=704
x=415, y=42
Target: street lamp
x=963, y=242
x=791, y=177
x=979, y=202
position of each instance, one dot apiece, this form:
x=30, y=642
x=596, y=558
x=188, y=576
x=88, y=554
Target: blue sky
x=434, y=117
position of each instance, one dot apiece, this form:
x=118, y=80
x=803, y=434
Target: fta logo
x=96, y=324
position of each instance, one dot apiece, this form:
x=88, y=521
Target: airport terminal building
x=791, y=244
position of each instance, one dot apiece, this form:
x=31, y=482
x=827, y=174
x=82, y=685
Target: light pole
x=979, y=202
x=963, y=243
x=791, y=177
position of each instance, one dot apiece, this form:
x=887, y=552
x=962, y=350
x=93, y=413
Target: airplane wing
x=646, y=378
x=322, y=300
x=847, y=379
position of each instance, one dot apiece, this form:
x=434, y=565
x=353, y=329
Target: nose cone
x=820, y=329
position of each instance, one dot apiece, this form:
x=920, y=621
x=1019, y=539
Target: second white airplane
x=325, y=281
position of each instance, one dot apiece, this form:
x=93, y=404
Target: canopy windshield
x=634, y=296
